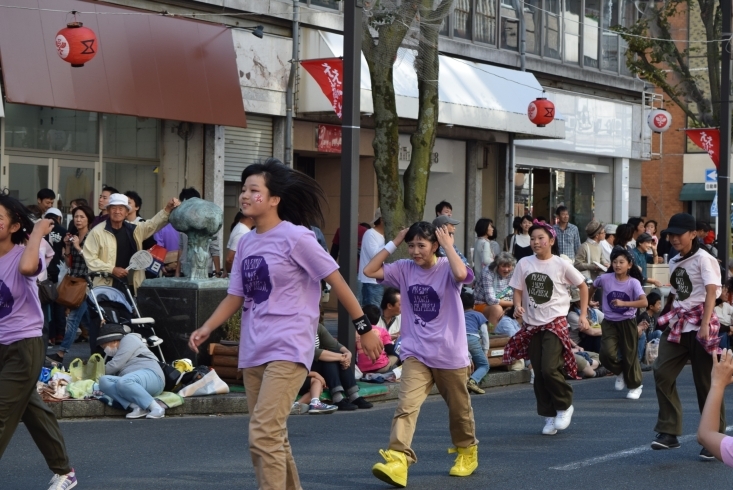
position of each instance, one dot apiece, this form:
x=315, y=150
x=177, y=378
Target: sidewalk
x=236, y=403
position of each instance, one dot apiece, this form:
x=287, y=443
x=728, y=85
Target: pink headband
x=550, y=229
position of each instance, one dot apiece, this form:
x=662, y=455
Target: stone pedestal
x=180, y=306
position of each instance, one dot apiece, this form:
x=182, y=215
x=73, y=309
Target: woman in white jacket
x=485, y=248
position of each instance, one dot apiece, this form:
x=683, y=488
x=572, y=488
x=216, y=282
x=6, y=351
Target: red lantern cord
x=541, y=111
x=76, y=44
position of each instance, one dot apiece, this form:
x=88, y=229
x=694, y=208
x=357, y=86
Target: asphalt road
x=605, y=447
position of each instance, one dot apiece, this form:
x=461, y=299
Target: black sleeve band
x=362, y=325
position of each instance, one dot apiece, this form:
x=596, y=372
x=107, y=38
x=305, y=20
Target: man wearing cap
x=371, y=244
x=644, y=243
x=691, y=331
x=591, y=252
x=607, y=244
x=445, y=221
x=57, y=318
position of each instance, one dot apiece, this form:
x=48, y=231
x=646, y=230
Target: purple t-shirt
x=21, y=316
x=278, y=274
x=168, y=238
x=433, y=325
x=628, y=290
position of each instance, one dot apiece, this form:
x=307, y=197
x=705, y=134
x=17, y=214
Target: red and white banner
x=709, y=140
x=329, y=138
x=328, y=73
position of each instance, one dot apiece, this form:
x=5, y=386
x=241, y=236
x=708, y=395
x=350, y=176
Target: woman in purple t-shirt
x=434, y=347
x=622, y=296
x=275, y=282
x=22, y=350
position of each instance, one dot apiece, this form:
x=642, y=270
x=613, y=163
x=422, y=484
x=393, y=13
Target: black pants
x=20, y=365
x=338, y=380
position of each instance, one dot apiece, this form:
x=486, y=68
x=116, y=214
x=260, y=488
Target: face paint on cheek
x=258, y=198
x=2, y=226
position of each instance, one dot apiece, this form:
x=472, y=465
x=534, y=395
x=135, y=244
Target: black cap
x=680, y=223
x=110, y=332
x=644, y=237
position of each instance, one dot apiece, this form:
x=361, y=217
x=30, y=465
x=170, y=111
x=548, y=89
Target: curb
x=236, y=403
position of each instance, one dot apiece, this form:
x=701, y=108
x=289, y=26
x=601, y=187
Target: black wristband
x=362, y=325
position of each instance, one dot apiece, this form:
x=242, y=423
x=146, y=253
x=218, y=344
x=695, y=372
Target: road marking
x=620, y=454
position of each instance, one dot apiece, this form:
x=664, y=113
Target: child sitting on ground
x=387, y=359
x=477, y=335
x=311, y=395
x=647, y=323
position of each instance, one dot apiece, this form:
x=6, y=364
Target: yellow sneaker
x=466, y=461
x=394, y=470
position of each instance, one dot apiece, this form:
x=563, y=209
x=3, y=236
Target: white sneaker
x=563, y=418
x=156, y=411
x=620, y=383
x=549, y=428
x=531, y=376
x=634, y=393
x=137, y=412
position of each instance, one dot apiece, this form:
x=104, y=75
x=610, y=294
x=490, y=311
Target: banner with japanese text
x=329, y=138
x=328, y=73
x=708, y=139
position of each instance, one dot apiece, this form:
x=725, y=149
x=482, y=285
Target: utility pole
x=350, y=127
x=724, y=224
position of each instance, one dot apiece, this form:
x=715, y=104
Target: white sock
x=315, y=400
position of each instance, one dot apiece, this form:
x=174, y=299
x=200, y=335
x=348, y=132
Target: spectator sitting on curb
x=391, y=318
x=647, y=324
x=387, y=359
x=590, y=339
x=311, y=390
x=477, y=334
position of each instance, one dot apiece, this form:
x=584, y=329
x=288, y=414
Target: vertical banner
x=328, y=73
x=709, y=140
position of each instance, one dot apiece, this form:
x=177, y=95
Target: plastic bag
x=93, y=369
x=211, y=384
x=652, y=351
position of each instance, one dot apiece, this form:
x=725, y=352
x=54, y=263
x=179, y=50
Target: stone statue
x=200, y=220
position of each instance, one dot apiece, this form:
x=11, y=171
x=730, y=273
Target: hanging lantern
x=541, y=111
x=76, y=44
x=659, y=120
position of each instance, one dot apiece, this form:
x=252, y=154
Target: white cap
x=54, y=211
x=118, y=200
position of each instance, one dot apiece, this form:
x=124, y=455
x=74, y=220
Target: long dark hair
x=623, y=252
x=424, y=230
x=624, y=234
x=238, y=217
x=18, y=214
x=300, y=196
x=555, y=248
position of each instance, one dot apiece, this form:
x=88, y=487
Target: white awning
x=471, y=94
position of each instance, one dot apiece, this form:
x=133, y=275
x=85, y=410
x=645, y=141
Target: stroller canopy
x=107, y=293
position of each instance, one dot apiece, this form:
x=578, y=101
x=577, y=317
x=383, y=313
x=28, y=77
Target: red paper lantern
x=541, y=112
x=76, y=44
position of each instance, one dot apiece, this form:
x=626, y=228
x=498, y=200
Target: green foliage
x=655, y=57
x=233, y=326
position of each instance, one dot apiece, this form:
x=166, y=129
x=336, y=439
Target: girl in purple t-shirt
x=434, y=347
x=22, y=350
x=622, y=296
x=275, y=282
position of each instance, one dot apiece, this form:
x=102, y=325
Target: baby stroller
x=114, y=306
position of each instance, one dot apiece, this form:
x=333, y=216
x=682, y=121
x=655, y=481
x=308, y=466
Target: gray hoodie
x=133, y=355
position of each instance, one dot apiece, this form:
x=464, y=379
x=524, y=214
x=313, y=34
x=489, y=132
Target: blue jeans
x=480, y=362
x=138, y=387
x=371, y=294
x=724, y=341
x=72, y=324
x=647, y=338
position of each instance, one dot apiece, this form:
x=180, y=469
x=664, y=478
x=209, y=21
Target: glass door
x=75, y=179
x=28, y=175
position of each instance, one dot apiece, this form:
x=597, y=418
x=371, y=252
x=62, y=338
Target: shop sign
x=329, y=138
x=445, y=154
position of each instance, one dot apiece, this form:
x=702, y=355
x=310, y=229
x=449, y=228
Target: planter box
x=224, y=360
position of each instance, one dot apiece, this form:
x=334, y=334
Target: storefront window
x=43, y=128
x=509, y=26
x=591, y=24
x=609, y=43
x=130, y=137
x=486, y=21
x=26, y=180
x=553, y=28
x=143, y=179
x=329, y=4
x=531, y=12
x=571, y=24
x=462, y=19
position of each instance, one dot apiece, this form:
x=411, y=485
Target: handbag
x=72, y=291
x=210, y=384
x=47, y=292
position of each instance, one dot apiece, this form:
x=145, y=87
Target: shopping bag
x=93, y=369
x=211, y=384
x=72, y=291
x=652, y=351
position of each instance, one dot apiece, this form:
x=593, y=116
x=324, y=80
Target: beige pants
x=271, y=389
x=415, y=384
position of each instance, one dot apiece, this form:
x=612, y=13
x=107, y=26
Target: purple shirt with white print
x=278, y=274
x=433, y=325
x=21, y=316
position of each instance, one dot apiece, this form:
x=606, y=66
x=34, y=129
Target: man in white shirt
x=391, y=319
x=607, y=244
x=371, y=244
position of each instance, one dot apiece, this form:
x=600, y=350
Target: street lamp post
x=350, y=160
x=724, y=224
